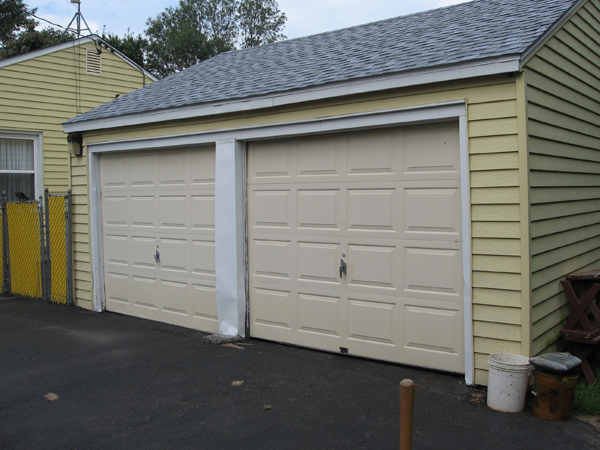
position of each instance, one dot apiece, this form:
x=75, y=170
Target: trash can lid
x=560, y=362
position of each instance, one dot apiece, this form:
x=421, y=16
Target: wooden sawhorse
x=583, y=326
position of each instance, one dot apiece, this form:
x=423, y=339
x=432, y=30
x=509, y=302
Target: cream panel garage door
x=385, y=202
x=158, y=212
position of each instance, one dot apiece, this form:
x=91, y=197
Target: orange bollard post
x=407, y=406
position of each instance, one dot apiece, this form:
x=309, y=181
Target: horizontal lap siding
x=495, y=181
x=496, y=229
x=38, y=95
x=564, y=147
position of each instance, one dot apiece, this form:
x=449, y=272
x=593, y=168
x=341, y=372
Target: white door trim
x=455, y=110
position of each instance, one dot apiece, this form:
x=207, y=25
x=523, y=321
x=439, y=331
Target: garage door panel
x=143, y=170
x=173, y=168
x=177, y=293
x=273, y=259
x=433, y=272
x=319, y=262
x=160, y=200
x=202, y=166
x=374, y=152
x=434, y=335
x=203, y=259
x=273, y=162
x=373, y=266
x=432, y=151
x=119, y=249
x=432, y=211
x=371, y=321
x=319, y=209
x=387, y=202
x=142, y=251
x=319, y=314
x=174, y=211
x=319, y=157
x=115, y=173
x=143, y=211
x=272, y=208
x=175, y=255
x=145, y=292
x=203, y=212
x=273, y=308
x=371, y=209
x=116, y=213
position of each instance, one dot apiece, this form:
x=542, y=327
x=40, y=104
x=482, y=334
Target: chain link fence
x=36, y=248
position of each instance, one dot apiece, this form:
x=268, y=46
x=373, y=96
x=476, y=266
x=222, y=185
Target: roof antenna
x=77, y=18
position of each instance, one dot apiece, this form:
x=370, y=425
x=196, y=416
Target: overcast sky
x=305, y=17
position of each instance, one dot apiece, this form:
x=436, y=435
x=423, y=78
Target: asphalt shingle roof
x=456, y=34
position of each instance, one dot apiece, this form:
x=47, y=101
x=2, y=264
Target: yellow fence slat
x=58, y=246
x=24, y=248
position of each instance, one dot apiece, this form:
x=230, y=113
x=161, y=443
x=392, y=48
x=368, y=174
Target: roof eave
x=470, y=69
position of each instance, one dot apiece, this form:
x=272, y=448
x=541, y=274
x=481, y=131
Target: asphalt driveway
x=127, y=383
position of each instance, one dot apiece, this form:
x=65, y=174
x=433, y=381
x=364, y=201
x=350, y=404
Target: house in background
x=40, y=90
x=409, y=190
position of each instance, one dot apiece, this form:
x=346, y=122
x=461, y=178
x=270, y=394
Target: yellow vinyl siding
x=38, y=94
x=564, y=145
x=495, y=181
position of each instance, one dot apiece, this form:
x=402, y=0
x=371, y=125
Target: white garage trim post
x=230, y=202
x=230, y=235
x=99, y=300
x=465, y=189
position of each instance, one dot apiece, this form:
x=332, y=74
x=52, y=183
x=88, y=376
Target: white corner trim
x=465, y=190
x=471, y=69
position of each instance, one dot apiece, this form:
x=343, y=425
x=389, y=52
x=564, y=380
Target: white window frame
x=38, y=181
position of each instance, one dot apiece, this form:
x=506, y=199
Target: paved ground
x=125, y=383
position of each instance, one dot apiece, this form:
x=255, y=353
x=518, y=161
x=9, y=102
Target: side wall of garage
x=497, y=148
x=564, y=142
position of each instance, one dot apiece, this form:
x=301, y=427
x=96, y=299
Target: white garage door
x=158, y=213
x=387, y=203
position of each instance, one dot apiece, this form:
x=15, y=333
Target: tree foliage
x=132, y=46
x=31, y=39
x=175, y=39
x=196, y=30
x=260, y=22
x=14, y=15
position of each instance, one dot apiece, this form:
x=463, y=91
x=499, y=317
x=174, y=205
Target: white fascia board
x=44, y=51
x=370, y=119
x=471, y=69
x=74, y=43
x=550, y=32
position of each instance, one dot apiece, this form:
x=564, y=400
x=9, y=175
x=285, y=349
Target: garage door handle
x=157, y=257
x=342, y=267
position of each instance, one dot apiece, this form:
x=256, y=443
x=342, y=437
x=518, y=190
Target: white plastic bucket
x=507, y=382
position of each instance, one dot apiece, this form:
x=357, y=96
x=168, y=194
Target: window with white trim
x=17, y=167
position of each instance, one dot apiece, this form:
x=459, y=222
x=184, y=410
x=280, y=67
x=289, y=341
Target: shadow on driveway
x=127, y=383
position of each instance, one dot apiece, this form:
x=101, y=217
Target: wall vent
x=93, y=62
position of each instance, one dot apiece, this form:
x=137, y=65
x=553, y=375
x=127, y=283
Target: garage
x=158, y=222
x=355, y=244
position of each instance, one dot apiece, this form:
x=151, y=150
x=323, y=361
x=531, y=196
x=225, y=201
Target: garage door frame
x=231, y=140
